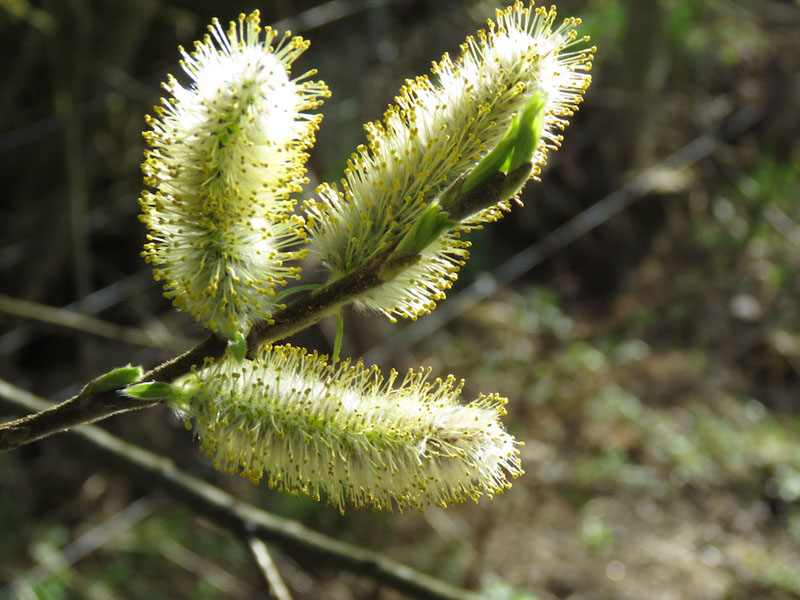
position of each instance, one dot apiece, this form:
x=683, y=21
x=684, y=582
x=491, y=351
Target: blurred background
x=640, y=312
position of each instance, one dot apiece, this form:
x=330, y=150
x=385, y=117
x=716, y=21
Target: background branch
x=241, y=519
x=70, y=319
x=268, y=568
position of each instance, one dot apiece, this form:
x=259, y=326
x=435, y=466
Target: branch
x=88, y=407
x=292, y=318
x=310, y=309
x=241, y=519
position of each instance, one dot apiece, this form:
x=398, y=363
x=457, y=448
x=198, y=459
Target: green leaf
x=118, y=378
x=492, y=162
x=151, y=390
x=515, y=149
x=529, y=130
x=238, y=346
x=430, y=225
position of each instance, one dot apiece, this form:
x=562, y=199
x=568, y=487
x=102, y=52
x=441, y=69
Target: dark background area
x=651, y=363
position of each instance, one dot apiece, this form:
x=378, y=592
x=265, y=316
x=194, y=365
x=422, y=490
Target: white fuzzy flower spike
x=436, y=133
x=225, y=155
x=347, y=432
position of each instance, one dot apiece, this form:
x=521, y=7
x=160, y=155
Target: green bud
x=118, y=378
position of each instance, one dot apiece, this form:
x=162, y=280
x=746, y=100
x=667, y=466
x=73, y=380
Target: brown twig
x=241, y=519
x=88, y=407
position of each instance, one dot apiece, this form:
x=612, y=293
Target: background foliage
x=652, y=364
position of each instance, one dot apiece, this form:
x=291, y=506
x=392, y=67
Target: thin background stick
x=70, y=319
x=268, y=568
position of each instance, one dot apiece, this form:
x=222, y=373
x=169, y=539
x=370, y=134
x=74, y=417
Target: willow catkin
x=346, y=432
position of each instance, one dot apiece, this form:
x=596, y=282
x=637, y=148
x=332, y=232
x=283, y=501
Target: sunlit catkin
x=435, y=133
x=225, y=153
x=346, y=432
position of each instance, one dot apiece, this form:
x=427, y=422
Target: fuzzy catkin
x=347, y=432
x=437, y=132
x=225, y=153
